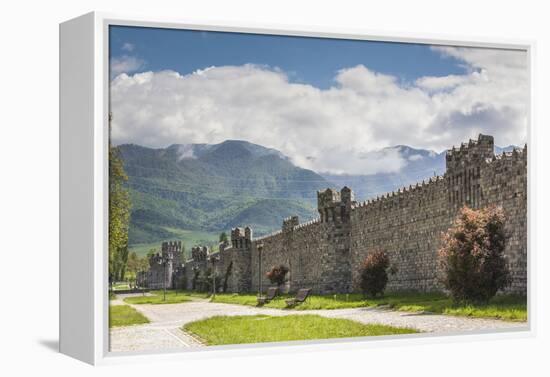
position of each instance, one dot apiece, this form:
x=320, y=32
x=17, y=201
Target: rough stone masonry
x=326, y=254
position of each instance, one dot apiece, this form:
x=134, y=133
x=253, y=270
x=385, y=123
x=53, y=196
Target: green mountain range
x=196, y=191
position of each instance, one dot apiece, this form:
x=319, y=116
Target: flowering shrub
x=374, y=273
x=472, y=255
x=277, y=274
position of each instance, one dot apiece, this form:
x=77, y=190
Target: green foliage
x=119, y=216
x=277, y=274
x=472, y=255
x=223, y=237
x=194, y=294
x=120, y=286
x=262, y=328
x=135, y=264
x=124, y=315
x=132, y=266
x=374, y=273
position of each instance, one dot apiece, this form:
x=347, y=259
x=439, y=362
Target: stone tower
x=163, y=265
x=464, y=170
x=334, y=210
x=239, y=255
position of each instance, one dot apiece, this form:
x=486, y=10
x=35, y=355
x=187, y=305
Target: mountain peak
x=245, y=149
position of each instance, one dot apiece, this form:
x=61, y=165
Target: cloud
x=125, y=64
x=341, y=129
x=444, y=82
x=186, y=152
x=415, y=157
x=128, y=47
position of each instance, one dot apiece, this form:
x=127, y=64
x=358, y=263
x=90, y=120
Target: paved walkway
x=164, y=332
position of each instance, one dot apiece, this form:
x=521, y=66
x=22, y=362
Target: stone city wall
x=326, y=254
x=407, y=225
x=305, y=266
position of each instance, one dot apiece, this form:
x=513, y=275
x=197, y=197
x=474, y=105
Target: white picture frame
x=84, y=80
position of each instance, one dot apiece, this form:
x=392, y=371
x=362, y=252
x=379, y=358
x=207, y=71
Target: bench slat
x=301, y=296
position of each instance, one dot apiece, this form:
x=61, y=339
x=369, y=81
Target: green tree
x=135, y=264
x=151, y=252
x=119, y=216
x=132, y=264
x=472, y=255
x=143, y=264
x=223, y=237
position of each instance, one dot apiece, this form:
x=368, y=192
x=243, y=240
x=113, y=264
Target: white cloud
x=186, y=152
x=415, y=157
x=128, y=47
x=337, y=129
x=432, y=83
x=125, y=64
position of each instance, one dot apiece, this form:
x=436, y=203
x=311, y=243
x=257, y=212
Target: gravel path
x=164, y=332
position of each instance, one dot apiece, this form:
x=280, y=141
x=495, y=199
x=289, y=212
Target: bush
x=472, y=255
x=374, y=273
x=277, y=274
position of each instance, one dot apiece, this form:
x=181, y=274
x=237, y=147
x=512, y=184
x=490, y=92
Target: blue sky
x=307, y=60
x=330, y=105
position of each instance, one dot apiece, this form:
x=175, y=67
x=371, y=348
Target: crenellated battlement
x=171, y=247
x=289, y=223
x=327, y=198
x=422, y=189
x=241, y=238
x=516, y=155
x=307, y=224
x=470, y=154
x=163, y=266
x=292, y=225
x=267, y=236
x=199, y=253
x=335, y=206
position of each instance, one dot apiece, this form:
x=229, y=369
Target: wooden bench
x=301, y=296
x=271, y=293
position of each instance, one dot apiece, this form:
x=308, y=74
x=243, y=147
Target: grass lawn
x=172, y=297
x=511, y=308
x=195, y=294
x=124, y=315
x=262, y=328
x=120, y=286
